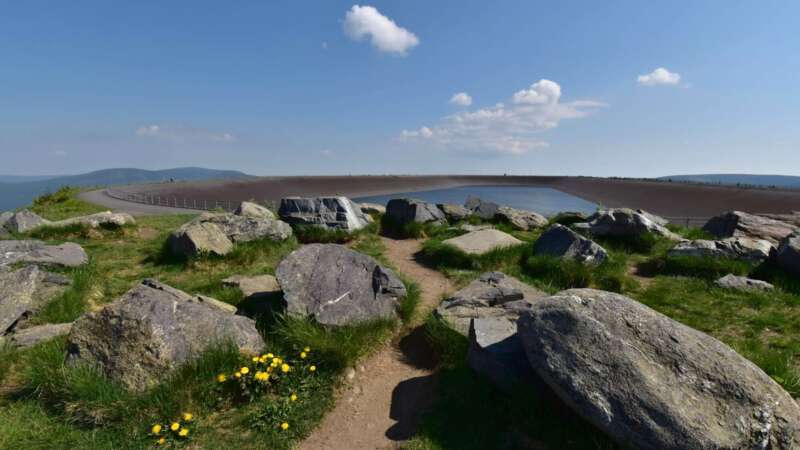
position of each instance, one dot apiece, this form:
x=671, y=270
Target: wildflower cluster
x=283, y=380
x=171, y=433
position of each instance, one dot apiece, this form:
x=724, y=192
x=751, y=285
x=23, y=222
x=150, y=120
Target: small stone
x=350, y=374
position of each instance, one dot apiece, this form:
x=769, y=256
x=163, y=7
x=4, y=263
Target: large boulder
x=153, y=329
x=731, y=248
x=625, y=222
x=407, y=210
x=217, y=233
x=337, y=286
x=453, y=212
x=792, y=218
x=250, y=209
x=484, y=210
x=650, y=382
x=482, y=241
x=561, y=242
x=788, y=255
x=37, y=252
x=103, y=219
x=24, y=221
x=496, y=353
x=24, y=291
x=741, y=224
x=329, y=212
x=520, y=219
x=731, y=281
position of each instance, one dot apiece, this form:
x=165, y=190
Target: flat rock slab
x=153, y=329
x=328, y=212
x=732, y=248
x=31, y=336
x=625, y=222
x=561, y=242
x=255, y=286
x=650, y=382
x=731, y=281
x=24, y=291
x=337, y=286
x=482, y=241
x=742, y=224
x=108, y=219
x=37, y=252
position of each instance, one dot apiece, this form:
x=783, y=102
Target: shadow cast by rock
x=411, y=399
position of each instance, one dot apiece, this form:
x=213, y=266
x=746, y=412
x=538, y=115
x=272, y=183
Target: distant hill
x=14, y=194
x=782, y=181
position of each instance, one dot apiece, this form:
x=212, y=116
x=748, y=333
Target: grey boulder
x=407, y=210
x=250, y=209
x=372, y=208
x=24, y=221
x=496, y=353
x=482, y=241
x=35, y=335
x=732, y=248
x=484, y=210
x=338, y=286
x=561, y=242
x=520, y=219
x=650, y=382
x=625, y=222
x=453, y=212
x=217, y=233
x=153, y=329
x=329, y=212
x=788, y=255
x=731, y=281
x=255, y=286
x=741, y=224
x=24, y=291
x=4, y=218
x=37, y=252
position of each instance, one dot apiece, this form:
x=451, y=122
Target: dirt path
x=382, y=402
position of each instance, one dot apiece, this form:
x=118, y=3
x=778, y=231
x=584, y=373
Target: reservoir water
x=545, y=201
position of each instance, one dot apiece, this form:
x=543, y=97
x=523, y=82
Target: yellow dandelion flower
x=221, y=378
x=276, y=360
x=161, y=441
x=303, y=355
x=313, y=368
x=245, y=370
x=293, y=397
x=187, y=416
x=175, y=426
x=184, y=432
x=156, y=429
x=238, y=375
x=269, y=355
x=256, y=359
x=284, y=426
x=285, y=368
x=307, y=349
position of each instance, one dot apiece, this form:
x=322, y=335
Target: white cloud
x=505, y=129
x=385, y=35
x=461, y=99
x=183, y=133
x=659, y=76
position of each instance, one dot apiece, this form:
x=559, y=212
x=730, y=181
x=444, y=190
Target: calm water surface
x=545, y=201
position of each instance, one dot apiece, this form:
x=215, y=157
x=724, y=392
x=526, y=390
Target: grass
x=307, y=234
x=63, y=204
x=73, y=302
x=555, y=274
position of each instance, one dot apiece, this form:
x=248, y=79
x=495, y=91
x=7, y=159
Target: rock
x=492, y=295
x=372, y=208
x=482, y=241
x=216, y=233
x=482, y=209
x=625, y=222
x=24, y=291
x=788, y=255
x=791, y=219
x=520, y=219
x=107, y=218
x=256, y=286
x=561, y=242
x=731, y=281
x=24, y=221
x=650, y=382
x=338, y=286
x=732, y=248
x=153, y=329
x=329, y=212
x=741, y=224
x=254, y=210
x=37, y=252
x=496, y=352
x=36, y=335
x=454, y=213
x=407, y=210
x=4, y=218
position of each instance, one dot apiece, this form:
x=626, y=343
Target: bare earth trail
x=381, y=405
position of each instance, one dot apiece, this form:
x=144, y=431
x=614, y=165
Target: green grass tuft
x=63, y=204
x=72, y=303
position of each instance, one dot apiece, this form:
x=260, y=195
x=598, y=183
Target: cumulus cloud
x=660, y=76
x=505, y=129
x=183, y=133
x=361, y=22
x=461, y=99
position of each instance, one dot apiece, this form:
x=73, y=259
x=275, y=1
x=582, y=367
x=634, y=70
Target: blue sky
x=330, y=87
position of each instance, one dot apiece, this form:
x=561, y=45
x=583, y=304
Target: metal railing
x=173, y=201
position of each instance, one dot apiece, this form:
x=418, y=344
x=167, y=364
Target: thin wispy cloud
x=183, y=133
x=363, y=22
x=505, y=129
x=660, y=76
x=461, y=99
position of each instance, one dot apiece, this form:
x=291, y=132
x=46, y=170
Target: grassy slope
x=44, y=404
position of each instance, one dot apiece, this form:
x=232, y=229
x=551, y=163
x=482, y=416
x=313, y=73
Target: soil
x=382, y=404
